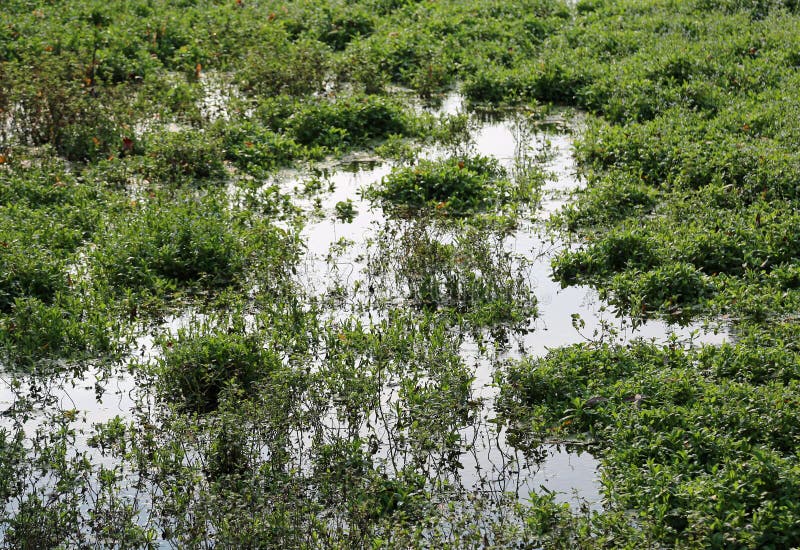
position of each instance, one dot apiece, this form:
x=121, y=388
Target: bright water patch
x=337, y=261
x=337, y=268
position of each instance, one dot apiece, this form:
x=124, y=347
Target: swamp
x=399, y=274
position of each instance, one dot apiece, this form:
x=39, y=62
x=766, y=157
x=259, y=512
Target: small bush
x=186, y=242
x=73, y=327
x=349, y=121
x=56, y=104
x=471, y=278
x=28, y=271
x=184, y=157
x=279, y=66
x=345, y=25
x=255, y=148
x=456, y=186
x=610, y=199
x=200, y=365
x=621, y=250
x=676, y=289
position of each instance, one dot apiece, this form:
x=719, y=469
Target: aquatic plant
x=455, y=186
x=171, y=242
x=343, y=410
x=199, y=366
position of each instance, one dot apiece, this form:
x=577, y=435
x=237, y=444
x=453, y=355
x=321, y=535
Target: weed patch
x=455, y=187
x=167, y=244
x=141, y=143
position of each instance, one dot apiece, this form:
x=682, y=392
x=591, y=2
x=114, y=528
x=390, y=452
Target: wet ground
x=337, y=260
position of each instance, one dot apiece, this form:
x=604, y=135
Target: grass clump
x=199, y=366
x=54, y=105
x=615, y=197
x=281, y=65
x=170, y=243
x=29, y=271
x=455, y=186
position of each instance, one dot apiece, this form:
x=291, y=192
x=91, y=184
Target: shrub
x=344, y=25
x=279, y=66
x=184, y=157
x=183, y=242
x=457, y=186
x=676, y=289
x=200, y=365
x=353, y=120
x=255, y=148
x=470, y=279
x=623, y=249
x=610, y=199
x=28, y=271
x=72, y=327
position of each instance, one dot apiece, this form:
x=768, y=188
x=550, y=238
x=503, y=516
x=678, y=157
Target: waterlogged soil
x=337, y=267
x=492, y=464
x=265, y=281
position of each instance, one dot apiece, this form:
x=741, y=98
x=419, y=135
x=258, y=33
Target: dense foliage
x=146, y=236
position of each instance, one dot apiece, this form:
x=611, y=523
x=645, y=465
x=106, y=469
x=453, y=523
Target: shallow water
x=337, y=257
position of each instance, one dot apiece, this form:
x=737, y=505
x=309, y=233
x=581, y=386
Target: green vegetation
x=172, y=241
x=198, y=368
x=702, y=457
x=275, y=395
x=457, y=186
x=456, y=269
x=688, y=212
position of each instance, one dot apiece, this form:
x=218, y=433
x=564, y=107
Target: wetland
x=392, y=274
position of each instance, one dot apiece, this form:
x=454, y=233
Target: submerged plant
x=454, y=268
